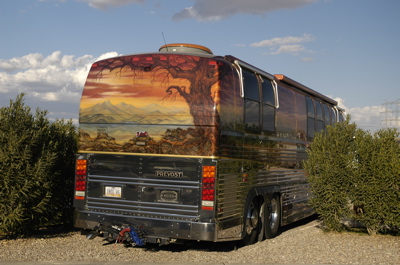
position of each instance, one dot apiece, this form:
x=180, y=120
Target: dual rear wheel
x=262, y=220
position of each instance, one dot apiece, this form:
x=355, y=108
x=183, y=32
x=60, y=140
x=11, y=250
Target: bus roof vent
x=185, y=48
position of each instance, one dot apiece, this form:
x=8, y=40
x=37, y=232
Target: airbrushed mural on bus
x=182, y=145
x=152, y=104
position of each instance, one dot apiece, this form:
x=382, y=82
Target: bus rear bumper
x=156, y=230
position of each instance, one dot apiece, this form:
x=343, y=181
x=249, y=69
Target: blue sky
x=345, y=49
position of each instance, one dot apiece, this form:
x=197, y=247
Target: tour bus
x=182, y=144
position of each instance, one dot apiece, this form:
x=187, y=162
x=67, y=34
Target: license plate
x=111, y=191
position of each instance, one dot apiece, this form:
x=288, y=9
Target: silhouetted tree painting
x=200, y=72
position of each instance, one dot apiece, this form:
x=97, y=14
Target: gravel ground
x=302, y=243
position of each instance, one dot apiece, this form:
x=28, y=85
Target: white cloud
x=106, y=4
x=107, y=55
x=340, y=102
x=212, y=10
x=288, y=44
x=367, y=118
x=37, y=61
x=54, y=78
x=293, y=48
x=283, y=41
x=34, y=72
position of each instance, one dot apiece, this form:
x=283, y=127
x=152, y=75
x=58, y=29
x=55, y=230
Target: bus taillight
x=80, y=179
x=208, y=188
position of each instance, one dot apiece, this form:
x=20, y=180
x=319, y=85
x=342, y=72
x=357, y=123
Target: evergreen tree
x=36, y=168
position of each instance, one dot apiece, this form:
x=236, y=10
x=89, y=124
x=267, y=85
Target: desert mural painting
x=151, y=103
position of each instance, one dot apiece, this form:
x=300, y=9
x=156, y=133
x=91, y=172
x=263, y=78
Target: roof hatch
x=185, y=48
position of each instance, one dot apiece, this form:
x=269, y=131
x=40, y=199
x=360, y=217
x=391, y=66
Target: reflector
x=208, y=188
x=80, y=179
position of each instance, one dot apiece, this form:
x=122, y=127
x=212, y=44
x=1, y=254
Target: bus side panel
x=266, y=162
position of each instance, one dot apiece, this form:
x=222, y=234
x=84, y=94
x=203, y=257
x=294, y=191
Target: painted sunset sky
x=137, y=89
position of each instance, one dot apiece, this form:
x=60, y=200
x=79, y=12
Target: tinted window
x=327, y=116
x=250, y=84
x=310, y=108
x=319, y=122
x=252, y=102
x=252, y=116
x=268, y=118
x=319, y=110
x=310, y=117
x=333, y=114
x=268, y=92
x=341, y=116
x=301, y=110
x=286, y=113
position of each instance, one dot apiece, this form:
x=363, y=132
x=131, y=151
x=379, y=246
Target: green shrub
x=37, y=168
x=355, y=175
x=376, y=192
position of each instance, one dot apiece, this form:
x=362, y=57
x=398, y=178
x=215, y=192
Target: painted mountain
x=106, y=112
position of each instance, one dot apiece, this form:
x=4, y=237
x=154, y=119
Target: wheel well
x=260, y=199
x=265, y=194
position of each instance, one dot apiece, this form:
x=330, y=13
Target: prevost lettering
x=169, y=174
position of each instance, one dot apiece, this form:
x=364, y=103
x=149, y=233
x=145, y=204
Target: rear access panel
x=144, y=186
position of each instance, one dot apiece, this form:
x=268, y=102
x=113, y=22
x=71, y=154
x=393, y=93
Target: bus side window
x=333, y=114
x=341, y=116
x=301, y=111
x=286, y=115
x=252, y=102
x=268, y=117
x=327, y=116
x=310, y=117
x=319, y=122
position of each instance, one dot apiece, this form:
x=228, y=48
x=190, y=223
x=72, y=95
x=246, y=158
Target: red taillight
x=208, y=188
x=80, y=179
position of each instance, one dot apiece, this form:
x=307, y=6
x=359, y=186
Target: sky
x=345, y=49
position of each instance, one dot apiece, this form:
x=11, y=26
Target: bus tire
x=272, y=217
x=252, y=223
